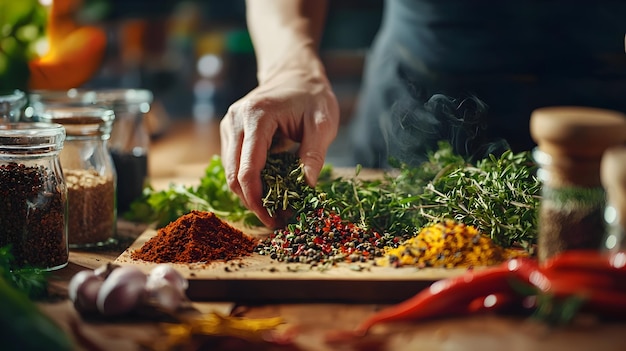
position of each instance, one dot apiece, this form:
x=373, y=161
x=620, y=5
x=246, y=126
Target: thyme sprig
x=284, y=186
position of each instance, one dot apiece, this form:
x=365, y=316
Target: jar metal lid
x=16, y=96
x=80, y=120
x=128, y=96
x=56, y=96
x=11, y=102
x=31, y=138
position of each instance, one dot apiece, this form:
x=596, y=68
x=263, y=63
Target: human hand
x=292, y=104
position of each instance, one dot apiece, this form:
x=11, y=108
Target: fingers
x=246, y=132
x=320, y=131
x=257, y=140
x=231, y=135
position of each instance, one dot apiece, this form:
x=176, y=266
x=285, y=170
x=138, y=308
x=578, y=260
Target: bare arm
x=294, y=98
x=285, y=33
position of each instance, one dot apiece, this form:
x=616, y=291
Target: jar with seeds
x=570, y=144
x=33, y=210
x=89, y=173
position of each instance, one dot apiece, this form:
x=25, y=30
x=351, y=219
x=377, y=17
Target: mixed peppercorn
x=326, y=238
x=319, y=235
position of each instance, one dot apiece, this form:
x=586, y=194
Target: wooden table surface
x=180, y=157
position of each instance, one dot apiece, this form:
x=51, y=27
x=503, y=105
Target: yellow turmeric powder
x=448, y=244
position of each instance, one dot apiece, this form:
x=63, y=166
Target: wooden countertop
x=180, y=156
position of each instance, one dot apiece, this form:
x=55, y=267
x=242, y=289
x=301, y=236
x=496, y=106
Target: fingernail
x=311, y=175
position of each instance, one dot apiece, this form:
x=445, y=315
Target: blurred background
x=197, y=58
x=194, y=56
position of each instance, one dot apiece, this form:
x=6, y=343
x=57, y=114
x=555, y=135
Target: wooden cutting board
x=258, y=278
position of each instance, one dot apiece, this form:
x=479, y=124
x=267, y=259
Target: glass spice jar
x=129, y=141
x=613, y=177
x=11, y=106
x=40, y=100
x=89, y=173
x=130, y=138
x=33, y=210
x=570, y=143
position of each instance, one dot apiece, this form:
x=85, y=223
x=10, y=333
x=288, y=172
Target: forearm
x=286, y=34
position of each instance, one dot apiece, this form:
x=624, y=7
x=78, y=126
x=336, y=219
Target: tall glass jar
x=570, y=144
x=130, y=139
x=33, y=210
x=11, y=106
x=89, y=173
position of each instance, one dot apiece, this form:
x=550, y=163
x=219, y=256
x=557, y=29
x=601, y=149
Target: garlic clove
x=106, y=269
x=77, y=280
x=166, y=274
x=83, y=290
x=87, y=295
x=167, y=296
x=121, y=291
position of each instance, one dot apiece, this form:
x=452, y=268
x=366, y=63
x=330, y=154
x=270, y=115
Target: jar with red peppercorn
x=33, y=210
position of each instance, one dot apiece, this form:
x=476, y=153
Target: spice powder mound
x=198, y=236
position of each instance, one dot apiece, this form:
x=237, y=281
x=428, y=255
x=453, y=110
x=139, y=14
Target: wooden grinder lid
x=576, y=137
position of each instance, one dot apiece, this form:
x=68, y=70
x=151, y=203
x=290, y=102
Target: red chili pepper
x=562, y=284
x=611, y=266
x=599, y=278
x=598, y=298
x=587, y=260
x=496, y=302
x=451, y=296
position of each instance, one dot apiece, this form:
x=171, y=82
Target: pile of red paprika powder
x=196, y=237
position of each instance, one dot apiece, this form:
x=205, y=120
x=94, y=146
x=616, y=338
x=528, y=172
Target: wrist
x=302, y=62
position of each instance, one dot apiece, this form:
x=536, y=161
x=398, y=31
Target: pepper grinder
x=570, y=143
x=613, y=177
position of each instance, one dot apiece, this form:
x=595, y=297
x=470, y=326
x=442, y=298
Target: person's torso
x=506, y=37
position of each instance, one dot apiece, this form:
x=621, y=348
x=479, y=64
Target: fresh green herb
x=31, y=282
x=212, y=194
x=498, y=195
x=285, y=189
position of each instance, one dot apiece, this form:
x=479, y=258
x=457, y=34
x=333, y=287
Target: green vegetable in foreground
x=29, y=281
x=24, y=327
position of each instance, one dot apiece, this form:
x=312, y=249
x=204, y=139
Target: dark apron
x=471, y=73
